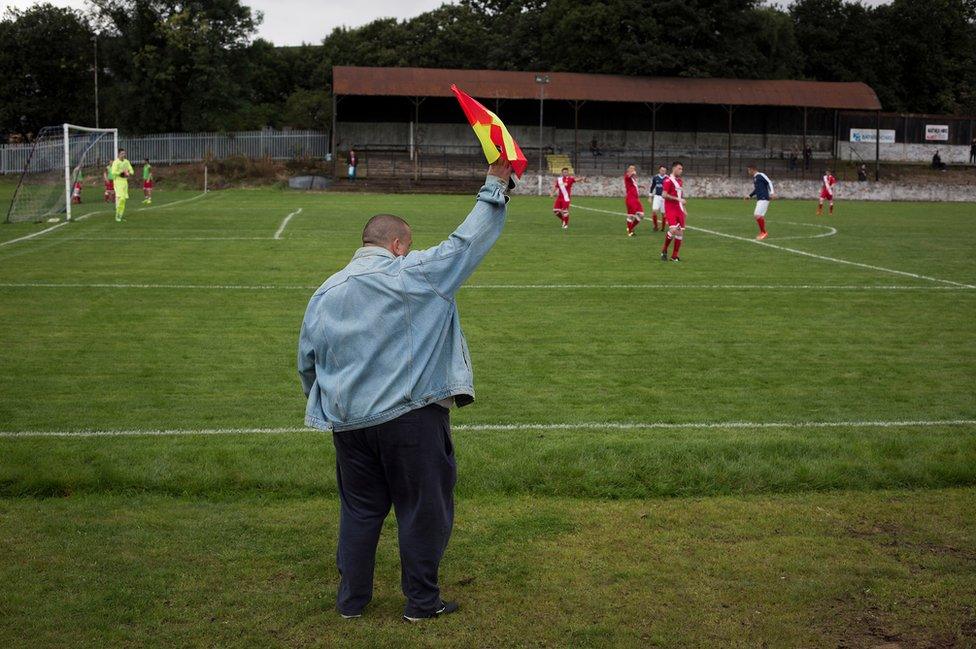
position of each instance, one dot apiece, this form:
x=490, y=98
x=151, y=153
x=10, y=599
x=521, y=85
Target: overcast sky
x=292, y=22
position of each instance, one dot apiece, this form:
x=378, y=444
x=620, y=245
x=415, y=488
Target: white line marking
x=171, y=239
x=203, y=287
x=284, y=224
x=85, y=216
x=36, y=234
x=170, y=204
x=805, y=253
x=605, y=425
x=518, y=287
x=831, y=231
x=834, y=259
x=724, y=287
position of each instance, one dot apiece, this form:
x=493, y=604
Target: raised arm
x=448, y=264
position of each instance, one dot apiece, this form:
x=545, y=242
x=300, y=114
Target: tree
x=176, y=64
x=931, y=45
x=918, y=55
x=311, y=109
x=46, y=66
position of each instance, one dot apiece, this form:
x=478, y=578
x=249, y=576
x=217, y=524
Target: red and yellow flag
x=495, y=139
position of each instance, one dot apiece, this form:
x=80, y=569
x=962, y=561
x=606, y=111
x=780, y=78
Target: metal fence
x=176, y=148
x=433, y=162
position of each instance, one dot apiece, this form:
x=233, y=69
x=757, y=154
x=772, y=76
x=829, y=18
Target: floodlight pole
x=542, y=80
x=95, y=44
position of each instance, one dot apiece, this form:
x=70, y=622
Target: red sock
x=677, y=246
x=654, y=216
x=831, y=208
x=667, y=242
x=566, y=220
x=630, y=224
x=762, y=223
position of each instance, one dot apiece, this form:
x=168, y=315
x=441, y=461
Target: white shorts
x=657, y=203
x=761, y=207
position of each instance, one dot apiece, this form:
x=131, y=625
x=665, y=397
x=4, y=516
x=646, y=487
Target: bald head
x=390, y=232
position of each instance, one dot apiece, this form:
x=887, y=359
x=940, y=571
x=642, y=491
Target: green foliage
x=918, y=55
x=173, y=65
x=310, y=109
x=46, y=69
x=176, y=65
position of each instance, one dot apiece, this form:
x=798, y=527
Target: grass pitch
x=763, y=443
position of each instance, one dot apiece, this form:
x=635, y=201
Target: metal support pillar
x=731, y=110
x=877, y=146
x=335, y=138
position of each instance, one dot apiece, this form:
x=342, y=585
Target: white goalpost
x=59, y=157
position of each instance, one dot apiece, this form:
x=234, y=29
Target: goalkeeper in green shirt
x=121, y=170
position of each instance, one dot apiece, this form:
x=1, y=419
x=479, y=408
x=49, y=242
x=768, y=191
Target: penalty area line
x=605, y=425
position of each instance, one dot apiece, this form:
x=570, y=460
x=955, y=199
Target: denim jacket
x=383, y=336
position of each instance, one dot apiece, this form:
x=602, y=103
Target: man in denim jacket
x=382, y=358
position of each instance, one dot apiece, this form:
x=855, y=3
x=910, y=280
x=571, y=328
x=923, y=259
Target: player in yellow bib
x=121, y=170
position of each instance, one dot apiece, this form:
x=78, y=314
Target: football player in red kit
x=563, y=191
x=109, y=185
x=674, y=211
x=635, y=209
x=826, y=191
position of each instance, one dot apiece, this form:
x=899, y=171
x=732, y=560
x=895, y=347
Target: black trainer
x=664, y=256
x=676, y=259
x=445, y=609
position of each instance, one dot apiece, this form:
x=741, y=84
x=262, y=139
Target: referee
x=382, y=360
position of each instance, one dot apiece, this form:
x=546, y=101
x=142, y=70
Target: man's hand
x=501, y=168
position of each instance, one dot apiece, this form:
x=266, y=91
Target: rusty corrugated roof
x=490, y=84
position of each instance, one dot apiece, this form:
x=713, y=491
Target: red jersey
x=632, y=201
x=630, y=185
x=564, y=188
x=674, y=187
x=827, y=186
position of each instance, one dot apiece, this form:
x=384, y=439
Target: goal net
x=58, y=158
